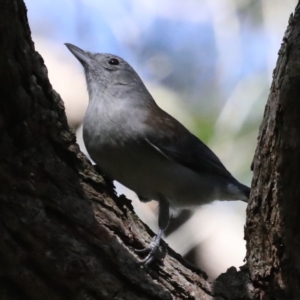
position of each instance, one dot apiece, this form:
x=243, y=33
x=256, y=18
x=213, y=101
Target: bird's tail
x=245, y=191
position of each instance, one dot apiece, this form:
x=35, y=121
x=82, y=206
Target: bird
x=135, y=142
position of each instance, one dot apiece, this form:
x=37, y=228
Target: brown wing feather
x=175, y=142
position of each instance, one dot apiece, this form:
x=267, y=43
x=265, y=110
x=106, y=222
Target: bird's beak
x=81, y=55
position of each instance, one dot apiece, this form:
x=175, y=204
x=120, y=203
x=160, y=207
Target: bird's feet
x=153, y=251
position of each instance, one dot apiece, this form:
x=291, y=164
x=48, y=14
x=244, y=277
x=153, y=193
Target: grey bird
x=135, y=142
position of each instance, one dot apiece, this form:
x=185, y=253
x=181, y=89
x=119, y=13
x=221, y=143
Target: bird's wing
x=184, y=148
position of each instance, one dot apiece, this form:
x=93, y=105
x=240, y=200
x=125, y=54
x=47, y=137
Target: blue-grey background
x=207, y=62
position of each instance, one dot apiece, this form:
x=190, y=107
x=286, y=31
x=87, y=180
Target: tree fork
x=64, y=234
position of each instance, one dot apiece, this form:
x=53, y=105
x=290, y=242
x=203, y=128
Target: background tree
x=65, y=234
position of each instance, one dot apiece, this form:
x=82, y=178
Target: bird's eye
x=113, y=61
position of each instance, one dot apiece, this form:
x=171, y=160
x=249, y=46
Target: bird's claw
x=153, y=251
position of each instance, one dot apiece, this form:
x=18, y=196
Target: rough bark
x=64, y=234
x=273, y=227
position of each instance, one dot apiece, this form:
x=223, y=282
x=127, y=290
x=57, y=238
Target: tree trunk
x=273, y=227
x=64, y=234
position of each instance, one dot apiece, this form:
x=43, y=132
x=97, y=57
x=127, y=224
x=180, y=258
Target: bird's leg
x=163, y=221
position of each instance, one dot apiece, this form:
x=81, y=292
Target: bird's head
x=106, y=72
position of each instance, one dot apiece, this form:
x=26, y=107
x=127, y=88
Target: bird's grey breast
x=112, y=121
